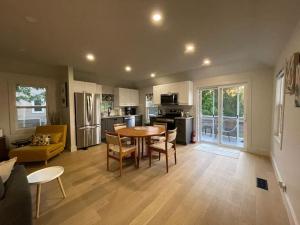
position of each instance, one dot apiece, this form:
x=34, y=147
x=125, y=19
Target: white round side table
x=42, y=176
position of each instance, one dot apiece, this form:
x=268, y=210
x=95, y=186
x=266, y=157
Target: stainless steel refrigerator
x=88, y=119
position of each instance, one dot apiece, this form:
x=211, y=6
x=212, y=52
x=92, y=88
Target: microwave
x=169, y=99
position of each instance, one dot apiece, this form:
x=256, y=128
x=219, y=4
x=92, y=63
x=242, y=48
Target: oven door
x=170, y=122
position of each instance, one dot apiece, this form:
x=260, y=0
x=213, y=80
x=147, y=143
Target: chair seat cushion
x=162, y=145
x=158, y=138
x=35, y=153
x=125, y=148
x=6, y=168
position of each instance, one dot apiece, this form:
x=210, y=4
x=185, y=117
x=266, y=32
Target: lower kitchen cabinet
x=107, y=124
x=184, y=130
x=138, y=120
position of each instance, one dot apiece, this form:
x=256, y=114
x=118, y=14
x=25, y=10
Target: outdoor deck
x=232, y=134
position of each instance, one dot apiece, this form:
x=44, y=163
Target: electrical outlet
x=282, y=186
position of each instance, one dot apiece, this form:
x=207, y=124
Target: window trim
x=33, y=107
x=278, y=124
x=14, y=130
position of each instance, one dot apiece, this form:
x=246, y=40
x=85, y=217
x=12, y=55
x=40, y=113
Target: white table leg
x=38, y=199
x=61, y=187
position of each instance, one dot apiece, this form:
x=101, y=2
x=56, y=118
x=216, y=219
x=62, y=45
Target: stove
x=169, y=119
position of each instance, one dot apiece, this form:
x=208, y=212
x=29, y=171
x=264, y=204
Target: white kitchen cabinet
x=183, y=89
x=156, y=94
x=126, y=97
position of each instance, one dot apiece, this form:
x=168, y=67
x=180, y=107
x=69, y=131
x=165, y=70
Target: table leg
x=142, y=147
x=38, y=199
x=139, y=149
x=61, y=187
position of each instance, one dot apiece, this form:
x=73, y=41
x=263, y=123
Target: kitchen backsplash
x=179, y=108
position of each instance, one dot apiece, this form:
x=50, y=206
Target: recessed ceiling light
x=156, y=17
x=189, y=48
x=30, y=19
x=206, y=62
x=152, y=75
x=90, y=57
x=128, y=68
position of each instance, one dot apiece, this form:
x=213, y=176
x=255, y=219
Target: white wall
x=287, y=160
x=8, y=81
x=77, y=86
x=107, y=89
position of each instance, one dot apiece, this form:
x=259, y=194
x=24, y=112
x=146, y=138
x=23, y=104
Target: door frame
x=247, y=114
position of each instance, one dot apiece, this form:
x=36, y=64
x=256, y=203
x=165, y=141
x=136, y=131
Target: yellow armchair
x=31, y=153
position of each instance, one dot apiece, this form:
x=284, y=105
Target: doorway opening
x=222, y=115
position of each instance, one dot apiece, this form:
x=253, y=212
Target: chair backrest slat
x=118, y=126
x=171, y=135
x=162, y=125
x=112, y=139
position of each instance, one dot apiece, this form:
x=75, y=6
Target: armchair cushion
x=55, y=138
x=36, y=153
x=42, y=153
x=6, y=168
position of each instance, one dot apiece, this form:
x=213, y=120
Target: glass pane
x=233, y=116
x=30, y=96
x=31, y=117
x=209, y=116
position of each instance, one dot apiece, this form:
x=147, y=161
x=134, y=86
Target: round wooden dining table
x=140, y=133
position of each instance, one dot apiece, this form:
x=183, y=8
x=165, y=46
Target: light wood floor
x=202, y=188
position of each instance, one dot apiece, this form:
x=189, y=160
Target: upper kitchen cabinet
x=183, y=89
x=126, y=97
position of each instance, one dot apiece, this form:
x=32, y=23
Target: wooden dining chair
x=118, y=126
x=159, y=138
x=117, y=151
x=165, y=147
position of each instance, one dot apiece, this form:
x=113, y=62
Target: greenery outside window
x=151, y=109
x=279, y=106
x=31, y=106
x=107, y=102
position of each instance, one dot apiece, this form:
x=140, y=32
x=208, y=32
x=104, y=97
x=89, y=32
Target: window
x=31, y=106
x=37, y=102
x=151, y=109
x=107, y=102
x=279, y=101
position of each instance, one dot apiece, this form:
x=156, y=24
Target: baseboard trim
x=258, y=152
x=286, y=200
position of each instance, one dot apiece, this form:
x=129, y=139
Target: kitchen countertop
x=183, y=118
x=107, y=117
x=177, y=118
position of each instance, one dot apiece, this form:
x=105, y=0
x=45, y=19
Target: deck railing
x=230, y=126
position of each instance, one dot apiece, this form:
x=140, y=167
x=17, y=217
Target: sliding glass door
x=222, y=115
x=209, y=115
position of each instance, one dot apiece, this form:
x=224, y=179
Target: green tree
x=30, y=94
x=210, y=97
x=230, y=95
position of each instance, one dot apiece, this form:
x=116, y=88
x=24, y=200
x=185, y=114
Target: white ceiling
x=119, y=32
